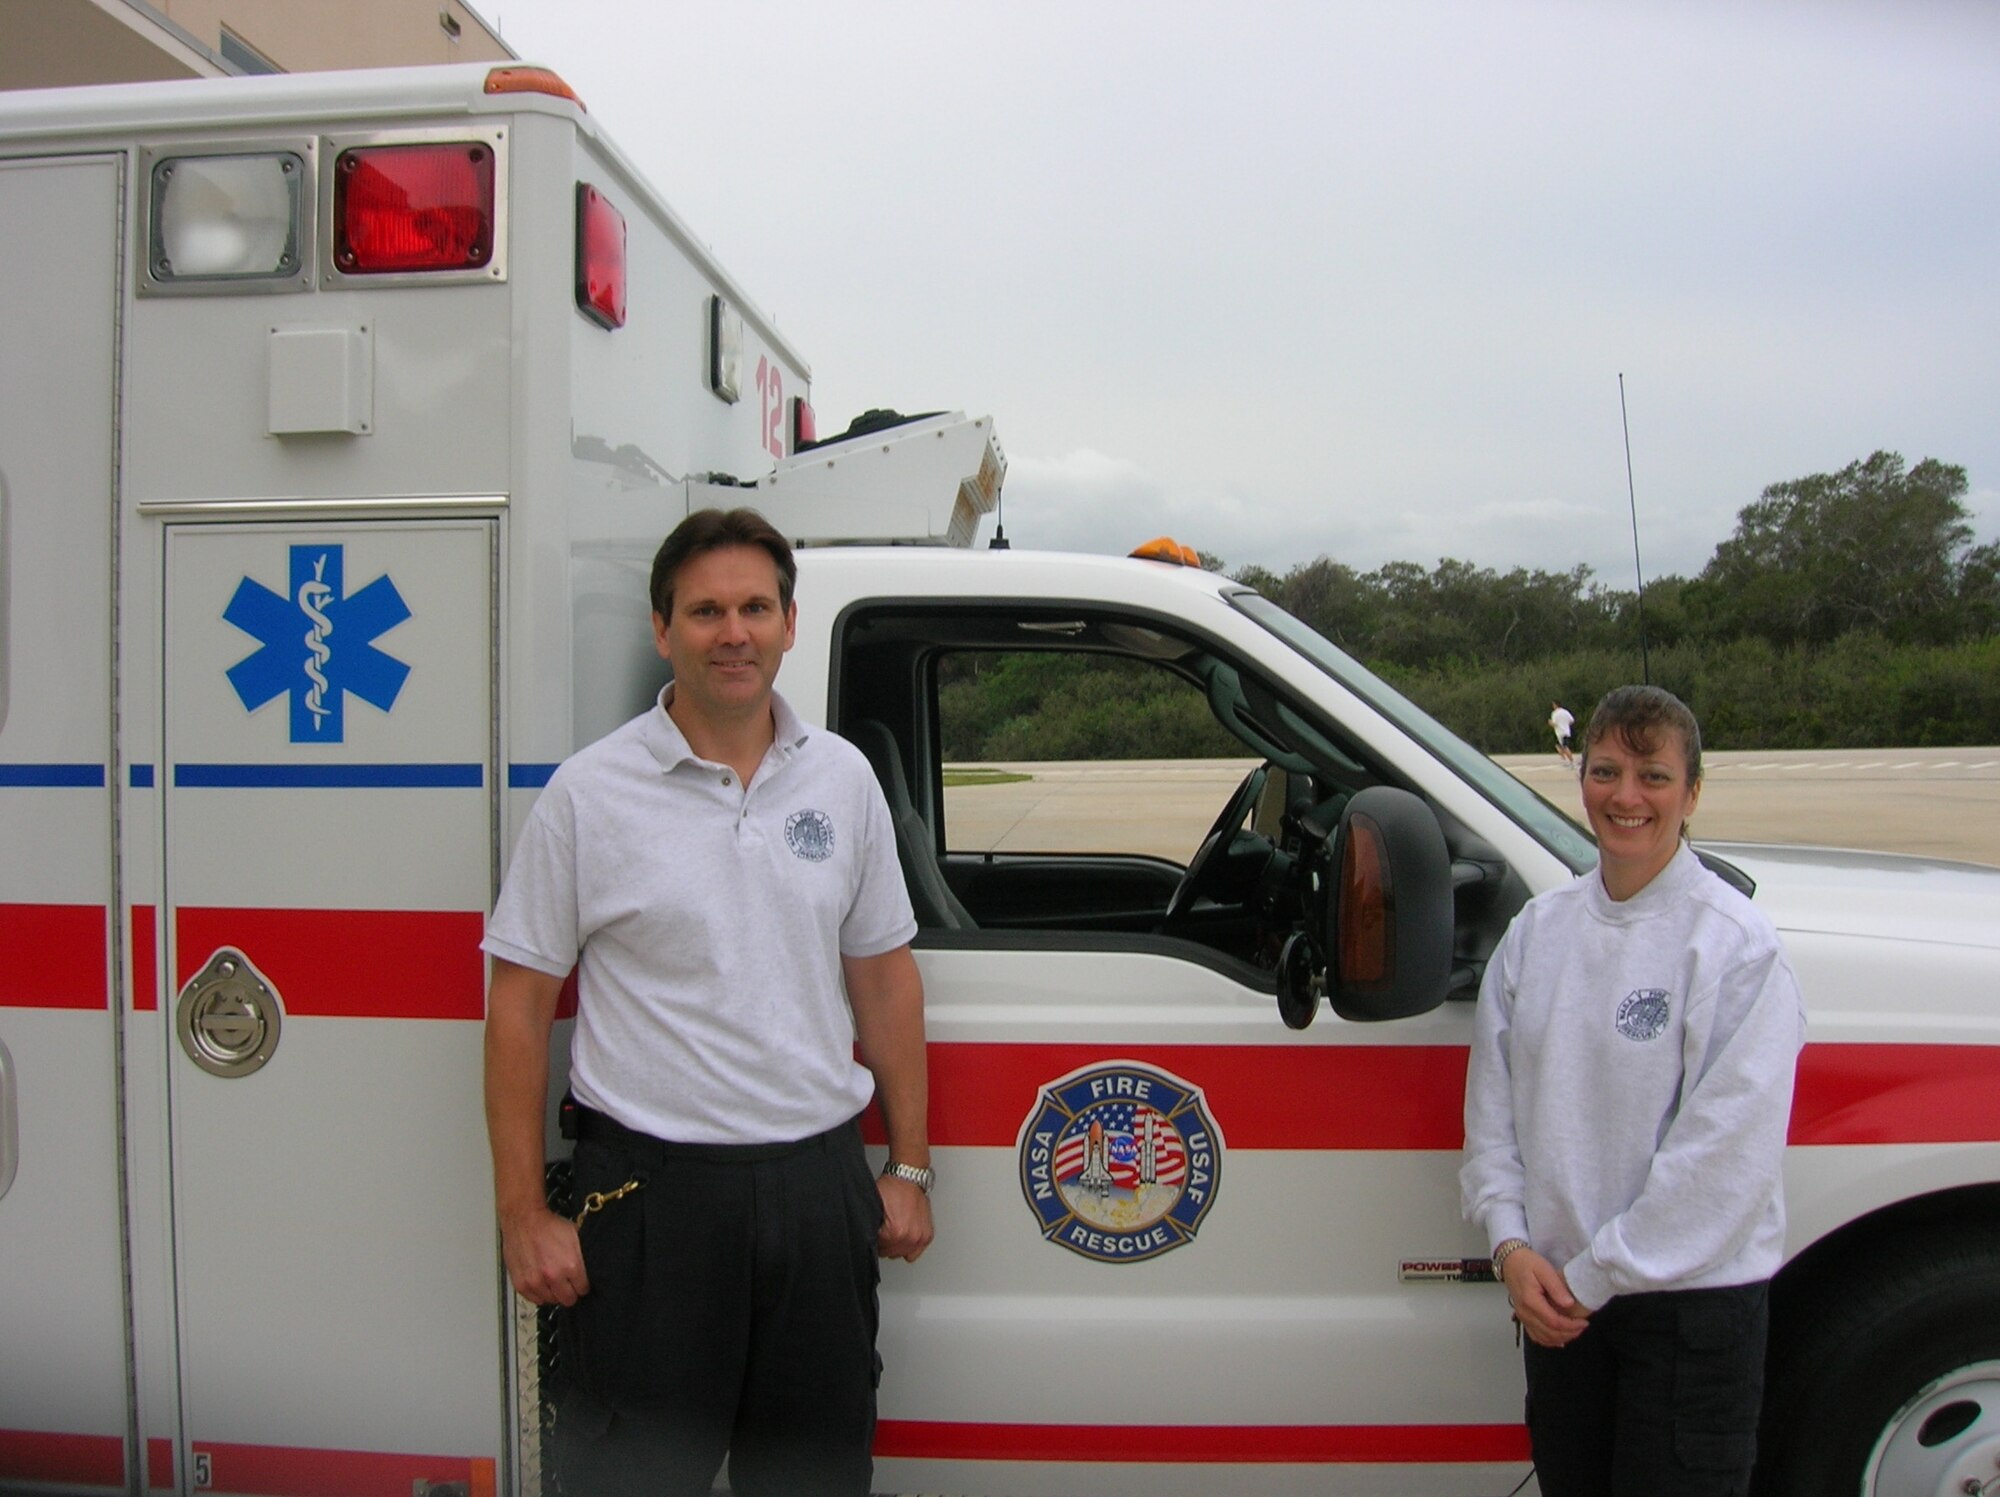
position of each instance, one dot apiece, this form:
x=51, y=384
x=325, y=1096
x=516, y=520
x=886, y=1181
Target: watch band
x=917, y=1174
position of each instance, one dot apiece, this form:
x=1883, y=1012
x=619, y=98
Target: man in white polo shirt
x=723, y=879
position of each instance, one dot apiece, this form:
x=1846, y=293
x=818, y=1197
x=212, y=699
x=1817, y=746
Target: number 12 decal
x=771, y=394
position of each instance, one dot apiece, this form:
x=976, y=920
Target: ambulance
x=341, y=417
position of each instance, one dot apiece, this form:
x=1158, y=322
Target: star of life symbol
x=317, y=644
x=1120, y=1161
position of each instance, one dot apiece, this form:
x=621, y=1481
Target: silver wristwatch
x=917, y=1174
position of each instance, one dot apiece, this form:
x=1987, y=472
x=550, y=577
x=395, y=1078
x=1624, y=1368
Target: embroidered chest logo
x=1120, y=1162
x=809, y=834
x=1643, y=1014
x=317, y=644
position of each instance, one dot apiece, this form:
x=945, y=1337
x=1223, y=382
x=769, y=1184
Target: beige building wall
x=57, y=43
x=314, y=35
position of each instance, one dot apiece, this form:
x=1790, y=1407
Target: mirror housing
x=1384, y=908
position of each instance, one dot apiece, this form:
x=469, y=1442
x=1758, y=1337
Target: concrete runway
x=1942, y=803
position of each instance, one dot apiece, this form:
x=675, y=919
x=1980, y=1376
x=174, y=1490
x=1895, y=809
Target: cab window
x=1081, y=777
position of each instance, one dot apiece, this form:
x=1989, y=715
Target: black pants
x=1658, y=1398
x=732, y=1308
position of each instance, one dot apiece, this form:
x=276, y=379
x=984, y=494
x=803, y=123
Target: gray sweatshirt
x=1631, y=1083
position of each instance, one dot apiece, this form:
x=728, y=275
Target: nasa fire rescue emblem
x=1120, y=1161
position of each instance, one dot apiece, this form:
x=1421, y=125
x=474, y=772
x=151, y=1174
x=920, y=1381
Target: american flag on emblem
x=1124, y=1145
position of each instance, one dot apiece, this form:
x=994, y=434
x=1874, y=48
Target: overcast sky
x=1290, y=279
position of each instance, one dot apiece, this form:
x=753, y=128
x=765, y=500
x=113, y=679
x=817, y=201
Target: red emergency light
x=805, y=425
x=402, y=208
x=600, y=258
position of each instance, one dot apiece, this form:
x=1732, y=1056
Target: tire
x=1888, y=1383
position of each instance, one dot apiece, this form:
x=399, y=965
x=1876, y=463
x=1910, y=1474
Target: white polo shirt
x=706, y=924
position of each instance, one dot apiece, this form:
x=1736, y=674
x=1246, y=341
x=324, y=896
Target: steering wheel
x=1207, y=860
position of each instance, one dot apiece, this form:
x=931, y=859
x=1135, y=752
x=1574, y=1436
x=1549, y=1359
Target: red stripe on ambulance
x=1261, y=1096
x=73, y=1460
x=283, y=1471
x=1897, y=1094
x=1236, y=1444
x=145, y=959
x=1359, y=1097
x=53, y=956
x=348, y=964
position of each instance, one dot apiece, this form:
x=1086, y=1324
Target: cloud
x=1355, y=280
x=1082, y=501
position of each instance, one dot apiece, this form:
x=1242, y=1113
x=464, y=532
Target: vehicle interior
x=956, y=709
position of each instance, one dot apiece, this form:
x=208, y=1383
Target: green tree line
x=1847, y=609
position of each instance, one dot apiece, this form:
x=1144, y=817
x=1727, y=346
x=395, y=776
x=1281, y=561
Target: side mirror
x=1381, y=905
x=1384, y=912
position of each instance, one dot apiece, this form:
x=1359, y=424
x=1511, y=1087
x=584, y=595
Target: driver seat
x=936, y=906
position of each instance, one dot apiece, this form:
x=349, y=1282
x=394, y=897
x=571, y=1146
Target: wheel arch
x=1810, y=1273
x=1862, y=1322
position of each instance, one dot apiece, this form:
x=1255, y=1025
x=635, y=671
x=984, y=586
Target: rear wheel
x=1890, y=1385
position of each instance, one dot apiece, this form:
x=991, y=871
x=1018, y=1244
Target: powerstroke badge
x=1120, y=1162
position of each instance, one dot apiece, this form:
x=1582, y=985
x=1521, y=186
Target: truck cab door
x=1175, y=1237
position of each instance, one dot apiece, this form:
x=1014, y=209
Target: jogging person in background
x=1561, y=720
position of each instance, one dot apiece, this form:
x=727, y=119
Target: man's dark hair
x=1639, y=715
x=711, y=530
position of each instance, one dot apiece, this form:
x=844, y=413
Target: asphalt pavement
x=1941, y=803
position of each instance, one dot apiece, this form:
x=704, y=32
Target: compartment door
x=63, y=1404
x=329, y=821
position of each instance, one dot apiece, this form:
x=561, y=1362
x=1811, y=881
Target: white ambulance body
x=333, y=453
x=297, y=382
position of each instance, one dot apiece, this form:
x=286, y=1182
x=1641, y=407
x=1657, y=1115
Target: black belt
x=595, y=1127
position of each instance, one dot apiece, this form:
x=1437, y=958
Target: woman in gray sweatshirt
x=1625, y=1115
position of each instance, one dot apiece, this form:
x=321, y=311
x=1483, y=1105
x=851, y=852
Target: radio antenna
x=1638, y=572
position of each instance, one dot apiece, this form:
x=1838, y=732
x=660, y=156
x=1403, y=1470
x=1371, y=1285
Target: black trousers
x=1658, y=1398
x=732, y=1308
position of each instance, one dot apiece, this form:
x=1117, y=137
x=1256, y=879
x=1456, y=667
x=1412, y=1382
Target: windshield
x=1548, y=825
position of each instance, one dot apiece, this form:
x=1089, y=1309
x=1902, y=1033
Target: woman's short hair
x=711, y=530
x=1639, y=715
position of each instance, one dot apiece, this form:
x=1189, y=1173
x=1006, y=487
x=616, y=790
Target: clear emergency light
x=408, y=208
x=231, y=221
x=725, y=350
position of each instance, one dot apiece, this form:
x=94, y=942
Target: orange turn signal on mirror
x=1366, y=939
